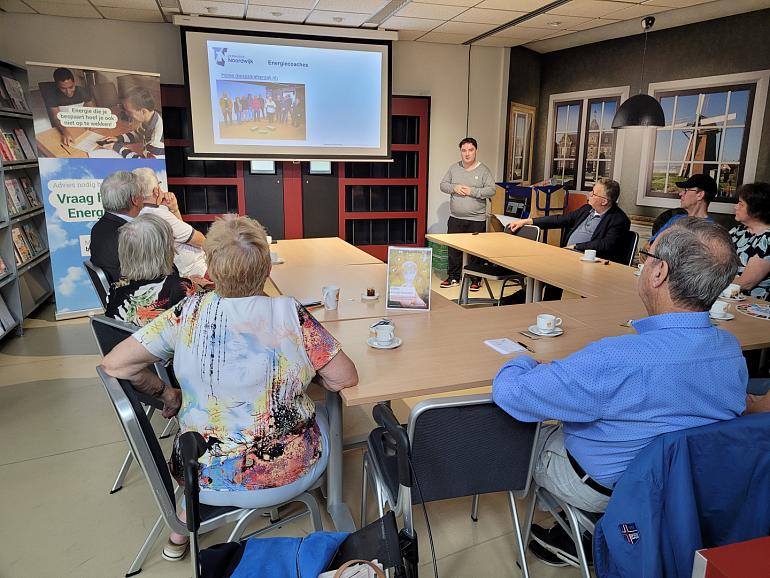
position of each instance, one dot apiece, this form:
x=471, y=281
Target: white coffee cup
x=330, y=295
x=719, y=309
x=269, y=239
x=385, y=334
x=732, y=291
x=274, y=256
x=547, y=323
x=640, y=266
x=589, y=254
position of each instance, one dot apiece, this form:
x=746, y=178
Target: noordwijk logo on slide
x=221, y=57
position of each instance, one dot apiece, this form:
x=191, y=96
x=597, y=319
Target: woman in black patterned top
x=149, y=283
x=752, y=239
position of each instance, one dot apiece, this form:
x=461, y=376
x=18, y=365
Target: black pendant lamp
x=641, y=109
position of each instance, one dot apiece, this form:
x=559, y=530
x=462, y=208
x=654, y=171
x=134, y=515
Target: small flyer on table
x=409, y=278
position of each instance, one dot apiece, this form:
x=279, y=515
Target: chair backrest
x=632, y=242
x=108, y=333
x=531, y=232
x=144, y=446
x=467, y=445
x=98, y=280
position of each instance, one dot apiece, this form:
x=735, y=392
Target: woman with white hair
x=149, y=284
x=244, y=361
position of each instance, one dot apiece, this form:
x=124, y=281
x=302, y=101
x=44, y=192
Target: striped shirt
x=149, y=135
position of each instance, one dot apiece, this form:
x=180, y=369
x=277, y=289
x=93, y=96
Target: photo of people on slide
x=261, y=110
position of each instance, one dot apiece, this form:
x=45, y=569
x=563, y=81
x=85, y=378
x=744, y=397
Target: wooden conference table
x=443, y=350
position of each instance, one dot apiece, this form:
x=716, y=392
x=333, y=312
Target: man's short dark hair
x=140, y=98
x=469, y=140
x=611, y=189
x=63, y=74
x=757, y=199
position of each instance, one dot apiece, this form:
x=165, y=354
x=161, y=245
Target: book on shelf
x=5, y=151
x=6, y=319
x=15, y=93
x=26, y=146
x=17, y=154
x=33, y=238
x=29, y=191
x=21, y=245
x=17, y=200
x=3, y=267
x=5, y=100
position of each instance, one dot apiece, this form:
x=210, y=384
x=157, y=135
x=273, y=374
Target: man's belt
x=586, y=479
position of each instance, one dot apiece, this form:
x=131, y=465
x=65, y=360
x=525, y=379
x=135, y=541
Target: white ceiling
x=443, y=21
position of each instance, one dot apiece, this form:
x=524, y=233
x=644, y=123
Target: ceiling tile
x=306, y=4
x=336, y=18
x=277, y=13
x=638, y=11
x=131, y=14
x=675, y=3
x=34, y=3
x=589, y=8
x=499, y=41
x=595, y=23
x=355, y=6
x=207, y=8
x=15, y=6
x=516, y=5
x=464, y=28
x=60, y=9
x=132, y=4
x=410, y=34
x=420, y=10
x=484, y=16
x=549, y=20
x=527, y=34
x=443, y=38
x=465, y=3
x=401, y=23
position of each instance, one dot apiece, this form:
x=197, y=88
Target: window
x=520, y=141
x=706, y=132
x=566, y=142
x=583, y=146
x=600, y=141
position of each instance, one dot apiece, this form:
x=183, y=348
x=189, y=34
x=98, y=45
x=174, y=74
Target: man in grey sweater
x=469, y=184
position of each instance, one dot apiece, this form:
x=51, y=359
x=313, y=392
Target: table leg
x=338, y=510
x=528, y=290
x=537, y=290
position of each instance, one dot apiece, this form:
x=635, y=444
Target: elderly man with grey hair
x=676, y=371
x=122, y=201
x=149, y=284
x=188, y=243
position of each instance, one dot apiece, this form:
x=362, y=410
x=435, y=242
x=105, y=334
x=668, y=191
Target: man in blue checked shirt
x=616, y=395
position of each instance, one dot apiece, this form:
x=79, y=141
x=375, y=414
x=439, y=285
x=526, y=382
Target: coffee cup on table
x=732, y=291
x=274, y=256
x=384, y=333
x=269, y=239
x=639, y=268
x=547, y=323
x=719, y=309
x=589, y=254
x=330, y=295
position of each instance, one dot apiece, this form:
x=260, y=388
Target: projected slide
x=268, y=94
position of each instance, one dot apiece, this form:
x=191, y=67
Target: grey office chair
x=99, y=281
x=145, y=447
x=451, y=447
x=491, y=272
x=632, y=242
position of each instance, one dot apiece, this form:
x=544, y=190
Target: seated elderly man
x=190, y=259
x=122, y=201
x=616, y=395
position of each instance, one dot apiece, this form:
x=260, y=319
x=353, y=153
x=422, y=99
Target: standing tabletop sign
x=409, y=278
x=89, y=123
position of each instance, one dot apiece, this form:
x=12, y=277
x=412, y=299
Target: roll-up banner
x=89, y=123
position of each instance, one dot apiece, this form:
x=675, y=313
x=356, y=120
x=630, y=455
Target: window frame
x=584, y=166
x=585, y=96
x=749, y=149
x=514, y=109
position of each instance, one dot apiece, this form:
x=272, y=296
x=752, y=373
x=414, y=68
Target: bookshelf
x=204, y=190
x=26, y=281
x=385, y=204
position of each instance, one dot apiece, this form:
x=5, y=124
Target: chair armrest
x=386, y=419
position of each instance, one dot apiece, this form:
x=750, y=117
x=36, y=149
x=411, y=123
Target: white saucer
x=278, y=261
x=594, y=260
x=372, y=342
x=727, y=317
x=555, y=333
x=738, y=298
x=637, y=273
x=365, y=297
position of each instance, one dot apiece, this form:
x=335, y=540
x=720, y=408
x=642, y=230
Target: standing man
x=469, y=184
x=66, y=95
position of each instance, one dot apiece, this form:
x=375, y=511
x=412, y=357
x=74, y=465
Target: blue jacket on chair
x=691, y=489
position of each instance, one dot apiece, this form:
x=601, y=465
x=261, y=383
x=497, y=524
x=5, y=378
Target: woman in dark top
x=752, y=239
x=149, y=283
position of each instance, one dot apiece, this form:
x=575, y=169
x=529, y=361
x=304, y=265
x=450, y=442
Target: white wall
x=420, y=69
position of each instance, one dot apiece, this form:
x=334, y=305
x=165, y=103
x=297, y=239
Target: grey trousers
x=554, y=473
